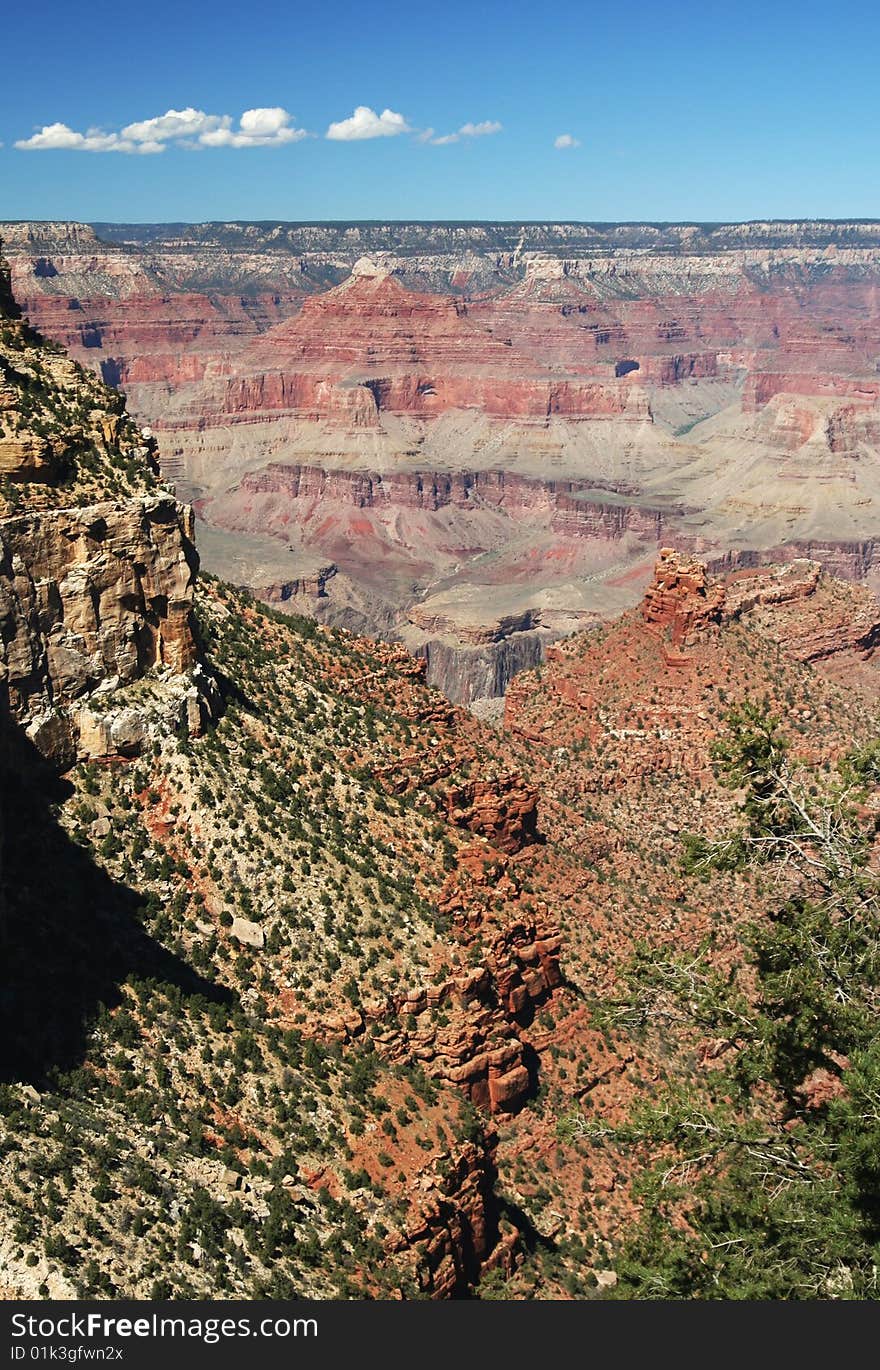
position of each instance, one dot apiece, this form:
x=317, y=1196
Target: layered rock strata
x=487, y=396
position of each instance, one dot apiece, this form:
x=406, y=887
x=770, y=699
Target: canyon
x=472, y=439
x=304, y=966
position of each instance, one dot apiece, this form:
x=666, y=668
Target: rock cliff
x=97, y=562
x=92, y=598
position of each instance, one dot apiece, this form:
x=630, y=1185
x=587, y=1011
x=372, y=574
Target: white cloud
x=270, y=126
x=176, y=123
x=566, y=140
x=52, y=136
x=480, y=130
x=264, y=123
x=257, y=128
x=366, y=123
x=191, y=128
x=466, y=131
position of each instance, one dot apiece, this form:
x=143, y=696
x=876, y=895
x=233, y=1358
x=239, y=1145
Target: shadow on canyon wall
x=69, y=933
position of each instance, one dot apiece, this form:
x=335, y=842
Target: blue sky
x=679, y=111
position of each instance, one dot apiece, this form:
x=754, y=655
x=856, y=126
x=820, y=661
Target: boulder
x=248, y=933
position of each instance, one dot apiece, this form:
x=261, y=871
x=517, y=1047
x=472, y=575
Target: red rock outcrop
x=577, y=337
x=451, y=1226
x=812, y=616
x=370, y=347
x=774, y=585
x=680, y=599
x=568, y=503
x=503, y=810
x=509, y=945
x=644, y=699
x=761, y=386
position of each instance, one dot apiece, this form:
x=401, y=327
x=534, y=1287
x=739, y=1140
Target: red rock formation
x=574, y=508
x=576, y=338
x=812, y=616
x=774, y=585
x=450, y=1229
x=761, y=386
x=503, y=810
x=647, y=699
x=680, y=599
x=418, y=354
